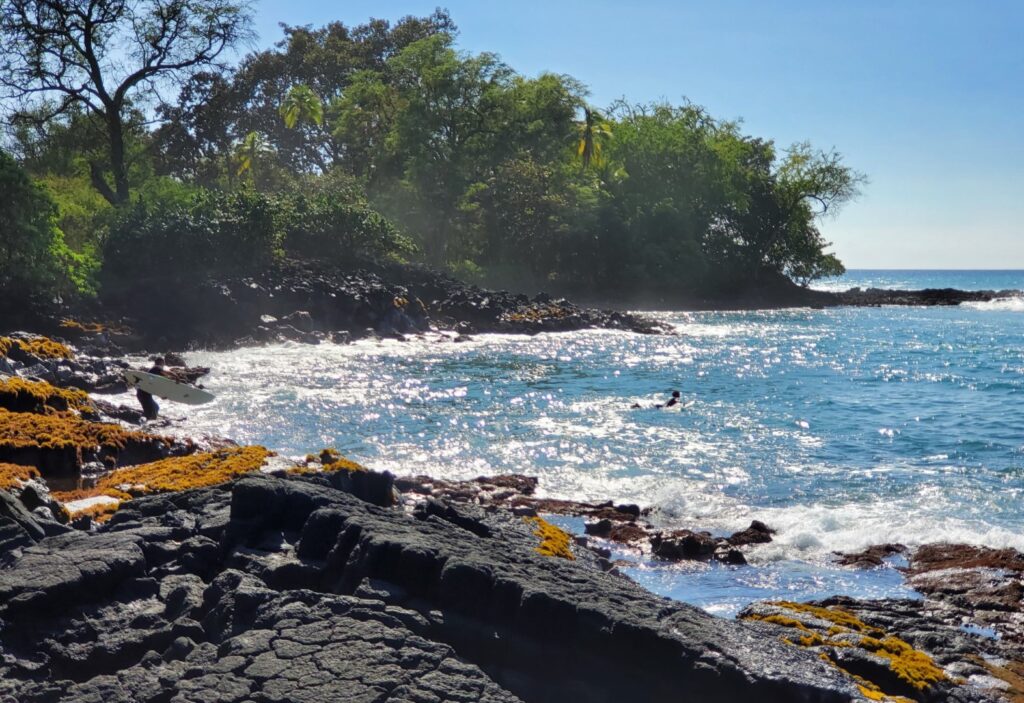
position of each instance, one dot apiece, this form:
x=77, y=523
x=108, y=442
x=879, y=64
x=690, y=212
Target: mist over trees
x=350, y=144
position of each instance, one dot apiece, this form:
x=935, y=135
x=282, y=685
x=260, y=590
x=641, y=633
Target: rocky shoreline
x=312, y=303
x=139, y=567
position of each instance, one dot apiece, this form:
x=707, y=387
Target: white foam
x=815, y=532
x=1012, y=304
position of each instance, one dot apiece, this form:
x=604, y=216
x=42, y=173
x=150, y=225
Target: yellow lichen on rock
x=843, y=620
x=911, y=666
x=554, y=541
x=22, y=395
x=61, y=431
x=536, y=313
x=329, y=459
x=343, y=464
x=15, y=475
x=181, y=473
x=86, y=327
x=41, y=347
x=169, y=475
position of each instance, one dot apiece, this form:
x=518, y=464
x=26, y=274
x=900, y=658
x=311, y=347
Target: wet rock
x=729, y=555
x=871, y=557
x=929, y=296
x=683, y=544
x=601, y=528
x=300, y=320
x=757, y=533
x=933, y=557
x=624, y=532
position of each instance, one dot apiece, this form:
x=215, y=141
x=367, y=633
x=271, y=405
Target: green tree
x=435, y=122
x=214, y=110
x=301, y=105
x=97, y=55
x=805, y=187
x=33, y=256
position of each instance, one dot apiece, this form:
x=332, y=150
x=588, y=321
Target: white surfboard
x=167, y=388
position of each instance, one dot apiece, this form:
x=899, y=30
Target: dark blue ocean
x=840, y=428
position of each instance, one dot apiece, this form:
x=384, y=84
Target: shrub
x=326, y=227
x=168, y=235
x=34, y=258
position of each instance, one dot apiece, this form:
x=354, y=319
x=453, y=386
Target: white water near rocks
x=840, y=428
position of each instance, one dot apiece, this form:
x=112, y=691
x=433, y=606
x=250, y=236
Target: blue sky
x=926, y=98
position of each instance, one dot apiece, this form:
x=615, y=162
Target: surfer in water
x=150, y=409
x=674, y=400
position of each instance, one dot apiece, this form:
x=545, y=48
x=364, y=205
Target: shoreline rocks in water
x=193, y=572
x=313, y=302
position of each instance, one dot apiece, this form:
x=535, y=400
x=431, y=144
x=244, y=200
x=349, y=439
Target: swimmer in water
x=674, y=400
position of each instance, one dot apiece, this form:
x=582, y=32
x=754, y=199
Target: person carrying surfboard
x=150, y=408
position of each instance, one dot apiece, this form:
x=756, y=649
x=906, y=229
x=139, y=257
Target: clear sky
x=925, y=97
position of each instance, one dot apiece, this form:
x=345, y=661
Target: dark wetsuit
x=150, y=409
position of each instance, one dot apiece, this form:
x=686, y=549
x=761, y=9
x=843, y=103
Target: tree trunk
x=99, y=182
x=115, y=128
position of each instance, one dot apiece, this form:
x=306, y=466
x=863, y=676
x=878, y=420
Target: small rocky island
x=139, y=567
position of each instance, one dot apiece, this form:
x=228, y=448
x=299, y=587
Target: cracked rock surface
x=287, y=589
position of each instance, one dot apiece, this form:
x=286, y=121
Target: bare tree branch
x=75, y=49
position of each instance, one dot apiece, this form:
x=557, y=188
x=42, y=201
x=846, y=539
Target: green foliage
x=301, y=105
x=594, y=132
x=325, y=227
x=72, y=58
x=80, y=210
x=33, y=255
x=209, y=232
x=172, y=231
x=385, y=141
x=250, y=150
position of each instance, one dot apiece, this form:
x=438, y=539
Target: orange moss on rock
x=843, y=620
x=80, y=327
x=911, y=666
x=182, y=473
x=330, y=459
x=554, y=541
x=41, y=347
x=14, y=475
x=61, y=431
x=537, y=313
x=22, y=395
x=343, y=464
x=166, y=476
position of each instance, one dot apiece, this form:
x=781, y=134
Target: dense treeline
x=381, y=141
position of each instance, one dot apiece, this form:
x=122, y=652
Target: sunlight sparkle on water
x=839, y=428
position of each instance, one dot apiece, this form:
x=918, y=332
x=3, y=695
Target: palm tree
x=301, y=105
x=594, y=132
x=251, y=148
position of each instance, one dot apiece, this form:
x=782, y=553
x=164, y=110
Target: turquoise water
x=840, y=428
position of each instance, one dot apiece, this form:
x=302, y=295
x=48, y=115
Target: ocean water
x=840, y=428
x=904, y=279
